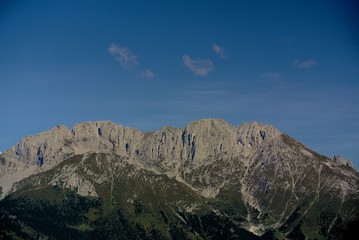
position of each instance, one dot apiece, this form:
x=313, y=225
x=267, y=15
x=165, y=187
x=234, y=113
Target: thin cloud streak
x=200, y=67
x=123, y=55
x=147, y=74
x=307, y=64
x=219, y=51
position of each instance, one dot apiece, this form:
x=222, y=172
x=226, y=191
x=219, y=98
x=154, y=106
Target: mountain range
x=208, y=180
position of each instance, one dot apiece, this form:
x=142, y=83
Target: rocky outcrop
x=341, y=161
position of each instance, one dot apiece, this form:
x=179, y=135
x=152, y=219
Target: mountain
x=209, y=180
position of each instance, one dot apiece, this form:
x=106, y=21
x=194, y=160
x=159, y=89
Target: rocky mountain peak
x=208, y=123
x=98, y=129
x=264, y=176
x=251, y=134
x=208, y=137
x=166, y=150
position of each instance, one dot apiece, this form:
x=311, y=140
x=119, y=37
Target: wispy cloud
x=200, y=67
x=147, y=74
x=123, y=55
x=219, y=51
x=306, y=64
x=275, y=76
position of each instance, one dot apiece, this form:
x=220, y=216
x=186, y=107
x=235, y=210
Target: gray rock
x=168, y=149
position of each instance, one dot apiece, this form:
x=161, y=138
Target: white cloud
x=123, y=55
x=148, y=74
x=200, y=67
x=307, y=64
x=219, y=51
x=275, y=76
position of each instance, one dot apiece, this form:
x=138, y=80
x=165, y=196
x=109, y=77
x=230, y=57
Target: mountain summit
x=247, y=181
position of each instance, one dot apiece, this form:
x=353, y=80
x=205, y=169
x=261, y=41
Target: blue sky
x=147, y=64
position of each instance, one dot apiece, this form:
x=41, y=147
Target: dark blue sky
x=147, y=64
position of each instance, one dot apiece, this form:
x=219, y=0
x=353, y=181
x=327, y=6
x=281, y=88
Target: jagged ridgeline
x=209, y=180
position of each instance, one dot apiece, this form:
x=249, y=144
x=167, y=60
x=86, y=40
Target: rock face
x=270, y=175
x=164, y=150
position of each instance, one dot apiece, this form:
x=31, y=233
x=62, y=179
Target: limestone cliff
x=271, y=174
x=164, y=150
